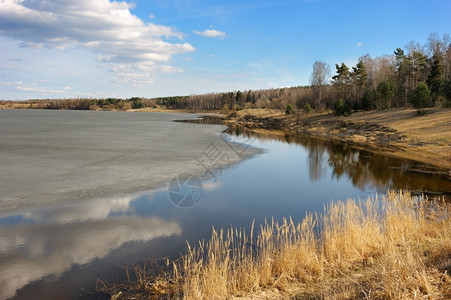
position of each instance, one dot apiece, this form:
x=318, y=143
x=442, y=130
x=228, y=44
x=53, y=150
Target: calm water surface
x=59, y=250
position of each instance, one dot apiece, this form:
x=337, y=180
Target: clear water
x=59, y=249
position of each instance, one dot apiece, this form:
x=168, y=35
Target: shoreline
x=397, y=132
x=394, y=132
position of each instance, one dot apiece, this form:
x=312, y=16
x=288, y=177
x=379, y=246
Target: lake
x=85, y=194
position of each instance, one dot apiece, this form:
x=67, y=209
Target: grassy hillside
x=400, y=131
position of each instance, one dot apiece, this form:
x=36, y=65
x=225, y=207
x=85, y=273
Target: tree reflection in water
x=365, y=169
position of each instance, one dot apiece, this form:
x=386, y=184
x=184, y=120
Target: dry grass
x=428, y=137
x=392, y=247
x=401, y=251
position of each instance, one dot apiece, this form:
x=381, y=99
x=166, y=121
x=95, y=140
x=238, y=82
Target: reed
x=392, y=247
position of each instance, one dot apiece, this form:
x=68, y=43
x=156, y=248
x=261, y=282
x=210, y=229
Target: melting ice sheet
x=55, y=156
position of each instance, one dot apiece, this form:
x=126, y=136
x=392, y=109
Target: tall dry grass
x=391, y=247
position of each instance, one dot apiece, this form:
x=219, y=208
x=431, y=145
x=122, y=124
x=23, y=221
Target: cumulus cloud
x=211, y=33
x=108, y=28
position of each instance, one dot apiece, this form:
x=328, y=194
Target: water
x=53, y=156
x=58, y=249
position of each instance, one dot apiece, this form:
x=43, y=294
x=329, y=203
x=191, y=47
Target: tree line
x=82, y=103
x=416, y=75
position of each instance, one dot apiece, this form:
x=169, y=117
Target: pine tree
x=385, y=92
x=402, y=76
x=342, y=79
x=239, y=98
x=435, y=78
x=248, y=97
x=360, y=80
x=417, y=60
x=420, y=97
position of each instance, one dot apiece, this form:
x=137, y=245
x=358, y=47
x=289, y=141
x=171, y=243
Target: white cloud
x=261, y=64
x=26, y=87
x=11, y=82
x=139, y=75
x=108, y=28
x=359, y=44
x=211, y=33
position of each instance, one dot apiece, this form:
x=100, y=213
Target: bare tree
x=320, y=77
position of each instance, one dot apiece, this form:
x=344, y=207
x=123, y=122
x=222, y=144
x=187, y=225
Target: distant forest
x=414, y=76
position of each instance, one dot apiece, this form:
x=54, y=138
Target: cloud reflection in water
x=67, y=235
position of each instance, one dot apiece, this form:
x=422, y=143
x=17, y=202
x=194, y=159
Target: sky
x=156, y=48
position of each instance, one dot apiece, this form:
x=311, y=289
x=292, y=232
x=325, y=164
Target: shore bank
x=398, y=132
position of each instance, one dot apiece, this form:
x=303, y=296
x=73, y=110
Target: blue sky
x=151, y=48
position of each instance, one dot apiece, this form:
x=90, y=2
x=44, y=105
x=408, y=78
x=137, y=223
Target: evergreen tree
x=137, y=103
x=385, y=93
x=418, y=66
x=447, y=92
x=435, y=78
x=420, y=97
x=307, y=108
x=402, y=76
x=231, y=99
x=360, y=79
x=248, y=97
x=342, y=79
x=361, y=74
x=239, y=98
x=367, y=100
x=342, y=108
